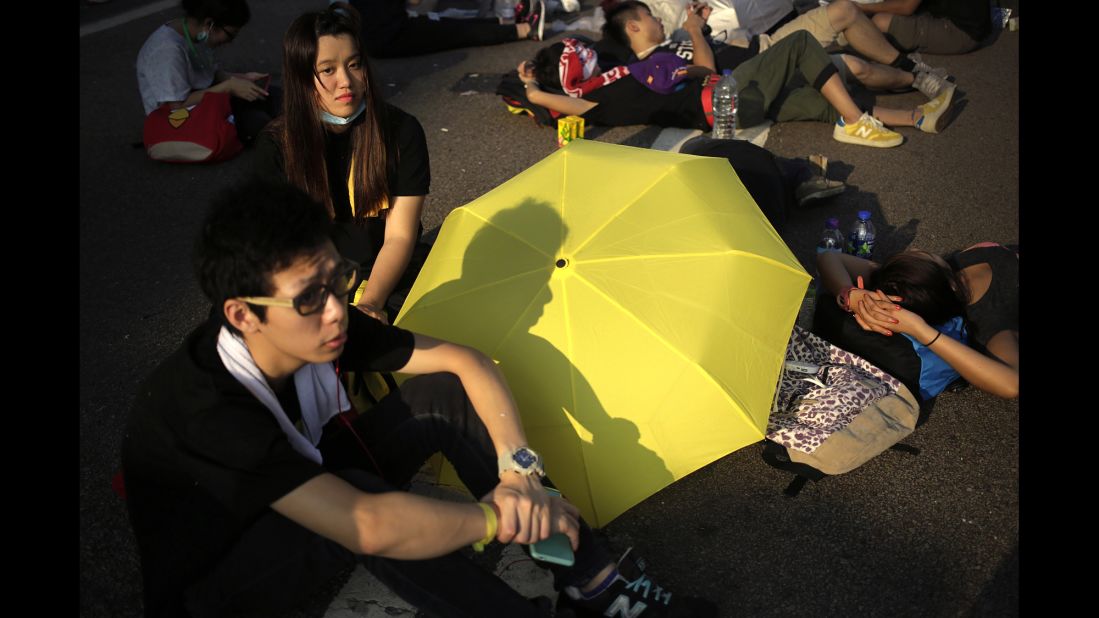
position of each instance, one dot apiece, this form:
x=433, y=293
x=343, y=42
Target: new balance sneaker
x=923, y=67
x=933, y=119
x=537, y=20
x=632, y=593
x=868, y=131
x=929, y=84
x=816, y=189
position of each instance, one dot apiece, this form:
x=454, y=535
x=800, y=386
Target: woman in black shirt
x=364, y=159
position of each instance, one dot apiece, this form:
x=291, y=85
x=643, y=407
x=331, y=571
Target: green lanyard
x=194, y=52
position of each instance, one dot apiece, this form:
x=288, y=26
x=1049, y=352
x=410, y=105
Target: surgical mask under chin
x=334, y=119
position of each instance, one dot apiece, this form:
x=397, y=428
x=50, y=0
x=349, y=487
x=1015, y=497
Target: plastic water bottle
x=860, y=242
x=505, y=9
x=832, y=238
x=724, y=105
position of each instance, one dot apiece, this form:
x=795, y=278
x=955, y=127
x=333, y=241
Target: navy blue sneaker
x=632, y=594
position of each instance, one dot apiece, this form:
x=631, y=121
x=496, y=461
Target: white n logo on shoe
x=864, y=131
x=621, y=607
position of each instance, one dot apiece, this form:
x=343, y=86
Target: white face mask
x=334, y=119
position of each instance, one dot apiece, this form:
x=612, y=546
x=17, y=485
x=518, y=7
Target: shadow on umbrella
x=540, y=375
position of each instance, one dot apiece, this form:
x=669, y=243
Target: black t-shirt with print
x=203, y=458
x=409, y=174
x=628, y=102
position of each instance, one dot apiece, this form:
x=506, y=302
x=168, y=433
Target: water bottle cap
x=727, y=72
x=864, y=215
x=832, y=223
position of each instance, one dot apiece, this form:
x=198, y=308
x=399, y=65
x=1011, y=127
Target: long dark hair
x=925, y=282
x=300, y=130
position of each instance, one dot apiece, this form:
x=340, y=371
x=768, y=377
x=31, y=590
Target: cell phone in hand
x=557, y=548
x=264, y=81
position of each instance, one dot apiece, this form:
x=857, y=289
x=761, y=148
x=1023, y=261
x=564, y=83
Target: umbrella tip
x=562, y=262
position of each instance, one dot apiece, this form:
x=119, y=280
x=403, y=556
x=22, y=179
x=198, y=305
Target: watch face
x=524, y=457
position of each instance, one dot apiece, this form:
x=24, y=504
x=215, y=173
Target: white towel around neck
x=319, y=392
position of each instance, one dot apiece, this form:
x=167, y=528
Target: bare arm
x=839, y=270
x=897, y=7
x=395, y=524
x=401, y=226
x=233, y=84
x=988, y=374
x=556, y=102
x=703, y=55
x=523, y=503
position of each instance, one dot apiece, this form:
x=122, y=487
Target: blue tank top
x=935, y=373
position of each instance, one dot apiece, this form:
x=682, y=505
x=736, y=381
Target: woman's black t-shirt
x=409, y=174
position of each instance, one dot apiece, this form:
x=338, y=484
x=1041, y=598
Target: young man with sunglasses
x=247, y=489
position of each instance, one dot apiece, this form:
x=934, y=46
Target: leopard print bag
x=841, y=416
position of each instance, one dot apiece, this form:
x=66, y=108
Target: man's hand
x=694, y=22
x=524, y=506
x=701, y=9
x=522, y=499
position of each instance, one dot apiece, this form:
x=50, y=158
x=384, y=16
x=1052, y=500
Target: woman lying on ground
x=342, y=144
x=918, y=294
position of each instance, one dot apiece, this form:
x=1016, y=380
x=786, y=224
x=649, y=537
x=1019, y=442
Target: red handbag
x=203, y=134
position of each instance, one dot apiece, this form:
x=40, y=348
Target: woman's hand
x=373, y=312
x=526, y=72
x=874, y=311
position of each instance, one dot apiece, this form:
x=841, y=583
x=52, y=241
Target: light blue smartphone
x=557, y=548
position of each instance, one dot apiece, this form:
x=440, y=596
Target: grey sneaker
x=923, y=67
x=929, y=84
x=818, y=163
x=817, y=188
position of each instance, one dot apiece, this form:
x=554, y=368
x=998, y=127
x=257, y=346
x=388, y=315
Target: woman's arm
x=986, y=373
x=234, y=85
x=556, y=102
x=839, y=270
x=402, y=225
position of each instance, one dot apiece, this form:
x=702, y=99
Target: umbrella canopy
x=638, y=302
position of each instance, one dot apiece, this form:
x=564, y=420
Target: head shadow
x=508, y=302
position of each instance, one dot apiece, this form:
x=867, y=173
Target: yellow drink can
x=568, y=129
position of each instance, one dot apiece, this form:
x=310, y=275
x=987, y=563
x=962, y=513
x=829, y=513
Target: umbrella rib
x=740, y=405
x=572, y=378
x=435, y=301
x=650, y=256
x=489, y=222
x=624, y=208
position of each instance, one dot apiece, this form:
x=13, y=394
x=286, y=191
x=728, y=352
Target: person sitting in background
x=933, y=26
x=176, y=65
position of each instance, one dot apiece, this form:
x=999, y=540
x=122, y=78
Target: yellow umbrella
x=638, y=302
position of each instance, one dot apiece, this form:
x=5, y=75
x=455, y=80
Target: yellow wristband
x=490, y=527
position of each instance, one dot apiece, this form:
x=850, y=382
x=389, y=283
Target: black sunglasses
x=314, y=297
